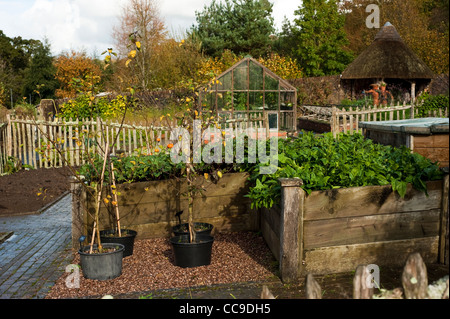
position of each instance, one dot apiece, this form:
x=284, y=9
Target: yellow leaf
x=206, y=175
x=219, y=173
x=128, y=62
x=132, y=54
x=138, y=44
x=106, y=200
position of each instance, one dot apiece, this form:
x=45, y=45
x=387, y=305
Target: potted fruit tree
x=192, y=243
x=100, y=261
x=102, y=258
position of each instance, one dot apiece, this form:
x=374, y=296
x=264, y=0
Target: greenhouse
x=248, y=91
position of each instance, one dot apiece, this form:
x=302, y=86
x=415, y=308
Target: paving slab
x=35, y=250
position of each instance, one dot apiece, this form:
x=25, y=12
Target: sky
x=86, y=25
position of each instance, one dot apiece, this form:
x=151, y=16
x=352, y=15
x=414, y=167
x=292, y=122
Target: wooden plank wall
x=340, y=229
x=150, y=207
x=346, y=227
x=435, y=147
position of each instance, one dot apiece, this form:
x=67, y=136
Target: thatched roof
x=387, y=57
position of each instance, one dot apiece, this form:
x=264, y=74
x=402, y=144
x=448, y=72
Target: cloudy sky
x=86, y=24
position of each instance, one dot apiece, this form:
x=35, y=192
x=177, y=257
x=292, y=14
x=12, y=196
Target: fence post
x=8, y=136
x=334, y=125
x=291, y=228
x=444, y=227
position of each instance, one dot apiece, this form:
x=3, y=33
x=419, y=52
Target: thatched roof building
x=389, y=59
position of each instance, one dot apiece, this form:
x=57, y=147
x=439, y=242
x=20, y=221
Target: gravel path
x=236, y=257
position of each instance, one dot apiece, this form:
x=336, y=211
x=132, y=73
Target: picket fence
x=57, y=143
x=347, y=121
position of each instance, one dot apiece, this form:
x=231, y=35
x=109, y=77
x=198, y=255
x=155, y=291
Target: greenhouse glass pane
x=256, y=76
x=224, y=82
x=273, y=121
x=240, y=76
x=224, y=101
x=271, y=83
x=255, y=101
x=271, y=101
x=240, y=101
x=287, y=101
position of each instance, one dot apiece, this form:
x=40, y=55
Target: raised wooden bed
x=336, y=230
x=149, y=207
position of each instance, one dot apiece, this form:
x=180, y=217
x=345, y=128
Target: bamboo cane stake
x=116, y=205
x=97, y=209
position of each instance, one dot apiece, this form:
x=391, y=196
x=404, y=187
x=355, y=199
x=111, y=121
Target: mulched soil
x=28, y=191
x=236, y=257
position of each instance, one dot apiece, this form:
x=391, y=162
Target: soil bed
x=28, y=191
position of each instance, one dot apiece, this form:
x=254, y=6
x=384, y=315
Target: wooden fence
x=56, y=143
x=3, y=155
x=347, y=120
x=414, y=279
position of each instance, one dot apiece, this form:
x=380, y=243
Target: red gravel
x=236, y=257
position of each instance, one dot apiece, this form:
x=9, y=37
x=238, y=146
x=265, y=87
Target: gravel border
x=236, y=257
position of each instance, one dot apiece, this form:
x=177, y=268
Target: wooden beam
x=291, y=233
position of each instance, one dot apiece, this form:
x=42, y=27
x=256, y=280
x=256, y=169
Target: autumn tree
x=140, y=24
x=71, y=69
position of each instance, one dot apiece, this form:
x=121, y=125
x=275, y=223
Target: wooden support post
x=334, y=121
x=291, y=228
x=444, y=223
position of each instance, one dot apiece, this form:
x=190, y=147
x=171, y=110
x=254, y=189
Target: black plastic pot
x=127, y=239
x=192, y=254
x=200, y=228
x=102, y=266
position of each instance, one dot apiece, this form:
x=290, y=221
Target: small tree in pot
x=194, y=249
x=99, y=260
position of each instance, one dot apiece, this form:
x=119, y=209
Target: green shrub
x=86, y=107
x=427, y=103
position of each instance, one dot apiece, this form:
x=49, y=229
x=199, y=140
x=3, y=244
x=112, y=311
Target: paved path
x=36, y=254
